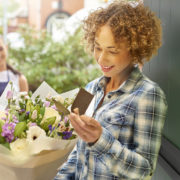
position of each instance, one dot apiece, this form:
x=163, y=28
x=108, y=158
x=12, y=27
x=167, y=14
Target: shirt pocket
x=114, y=119
x=118, y=124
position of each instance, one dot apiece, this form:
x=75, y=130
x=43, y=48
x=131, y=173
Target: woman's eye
x=113, y=52
x=98, y=49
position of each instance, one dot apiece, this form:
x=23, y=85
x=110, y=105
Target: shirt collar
x=128, y=85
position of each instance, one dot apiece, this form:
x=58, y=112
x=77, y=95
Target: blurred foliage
x=63, y=65
x=11, y=5
x=1, y=31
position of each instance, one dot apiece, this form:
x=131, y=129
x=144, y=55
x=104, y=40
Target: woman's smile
x=106, y=68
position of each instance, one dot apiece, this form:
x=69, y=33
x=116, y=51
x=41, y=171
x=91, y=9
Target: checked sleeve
x=67, y=171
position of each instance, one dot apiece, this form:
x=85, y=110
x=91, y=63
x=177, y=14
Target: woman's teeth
x=106, y=68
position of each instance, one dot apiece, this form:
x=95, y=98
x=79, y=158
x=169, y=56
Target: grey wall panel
x=165, y=67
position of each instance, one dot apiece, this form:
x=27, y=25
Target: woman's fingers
x=90, y=121
x=86, y=119
x=82, y=132
x=86, y=127
x=76, y=111
x=79, y=125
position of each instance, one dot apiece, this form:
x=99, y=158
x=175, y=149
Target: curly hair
x=137, y=24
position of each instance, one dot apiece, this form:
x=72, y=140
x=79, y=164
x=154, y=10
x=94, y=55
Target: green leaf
x=28, y=105
x=6, y=145
x=72, y=137
x=30, y=93
x=67, y=124
x=47, y=122
x=37, y=107
x=2, y=140
x=22, y=116
x=1, y=124
x=42, y=111
x=22, y=106
x=60, y=133
x=19, y=129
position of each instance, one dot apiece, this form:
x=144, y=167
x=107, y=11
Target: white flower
x=59, y=98
x=19, y=146
x=62, y=127
x=34, y=114
x=34, y=133
x=49, y=96
x=50, y=112
x=24, y=93
x=18, y=107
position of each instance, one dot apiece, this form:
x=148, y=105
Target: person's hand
x=86, y=127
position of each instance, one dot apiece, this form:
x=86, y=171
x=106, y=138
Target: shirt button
x=109, y=96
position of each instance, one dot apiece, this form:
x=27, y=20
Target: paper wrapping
x=43, y=166
x=47, y=159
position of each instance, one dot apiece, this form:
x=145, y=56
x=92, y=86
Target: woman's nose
x=101, y=58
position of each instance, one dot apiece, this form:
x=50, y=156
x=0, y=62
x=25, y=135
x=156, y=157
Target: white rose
x=50, y=112
x=19, y=146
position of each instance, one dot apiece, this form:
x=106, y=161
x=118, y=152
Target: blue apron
x=4, y=84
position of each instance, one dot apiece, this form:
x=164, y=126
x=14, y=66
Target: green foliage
x=19, y=129
x=49, y=121
x=63, y=65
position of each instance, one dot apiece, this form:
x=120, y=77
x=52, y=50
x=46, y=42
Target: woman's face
x=112, y=59
x=3, y=53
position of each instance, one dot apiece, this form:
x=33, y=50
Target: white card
x=43, y=90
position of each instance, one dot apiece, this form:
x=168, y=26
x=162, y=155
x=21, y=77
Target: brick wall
x=39, y=10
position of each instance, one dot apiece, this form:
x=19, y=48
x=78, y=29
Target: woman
x=7, y=73
x=122, y=139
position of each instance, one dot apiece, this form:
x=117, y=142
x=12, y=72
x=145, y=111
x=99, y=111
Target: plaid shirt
x=132, y=118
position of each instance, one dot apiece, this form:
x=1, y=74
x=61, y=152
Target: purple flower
x=8, y=131
x=66, y=119
x=27, y=113
x=15, y=119
x=22, y=110
x=7, y=120
x=9, y=95
x=67, y=134
x=4, y=118
x=54, y=107
x=33, y=124
x=50, y=127
x=46, y=103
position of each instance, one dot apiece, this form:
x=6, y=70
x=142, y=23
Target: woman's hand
x=86, y=127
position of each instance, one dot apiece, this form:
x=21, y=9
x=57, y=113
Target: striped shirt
x=132, y=118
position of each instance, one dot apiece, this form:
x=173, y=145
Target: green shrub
x=63, y=65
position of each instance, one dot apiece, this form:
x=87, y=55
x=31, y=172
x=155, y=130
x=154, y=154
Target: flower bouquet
x=35, y=134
